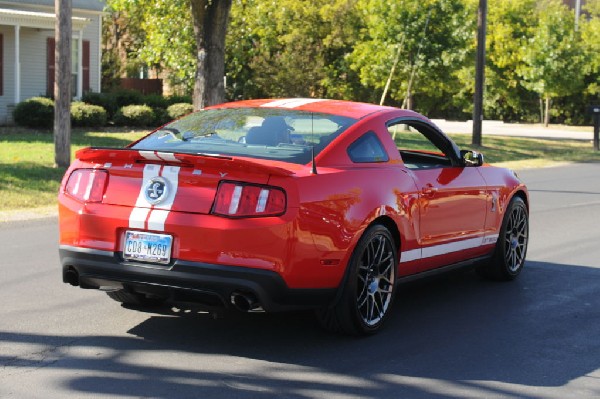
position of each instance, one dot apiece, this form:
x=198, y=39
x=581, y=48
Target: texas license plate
x=147, y=247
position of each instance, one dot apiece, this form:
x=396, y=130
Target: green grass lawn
x=27, y=176
x=29, y=180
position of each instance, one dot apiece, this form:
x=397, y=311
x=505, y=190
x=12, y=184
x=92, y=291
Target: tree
x=186, y=38
x=590, y=38
x=288, y=48
x=509, y=30
x=210, y=26
x=554, y=58
x=435, y=37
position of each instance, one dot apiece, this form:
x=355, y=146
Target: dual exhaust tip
x=246, y=302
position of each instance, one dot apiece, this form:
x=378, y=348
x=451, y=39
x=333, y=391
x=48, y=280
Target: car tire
x=135, y=299
x=368, y=288
x=511, y=248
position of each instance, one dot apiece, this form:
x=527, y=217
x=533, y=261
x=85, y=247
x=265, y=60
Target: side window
x=367, y=148
x=417, y=146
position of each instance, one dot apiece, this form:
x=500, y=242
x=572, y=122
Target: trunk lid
x=175, y=181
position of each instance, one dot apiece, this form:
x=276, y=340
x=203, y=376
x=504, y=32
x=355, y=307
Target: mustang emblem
x=156, y=190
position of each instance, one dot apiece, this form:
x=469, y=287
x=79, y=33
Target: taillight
x=87, y=185
x=245, y=200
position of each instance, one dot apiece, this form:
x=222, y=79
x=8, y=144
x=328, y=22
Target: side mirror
x=471, y=158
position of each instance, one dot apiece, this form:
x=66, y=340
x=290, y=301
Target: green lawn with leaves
x=29, y=180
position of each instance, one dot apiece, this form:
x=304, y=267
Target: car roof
x=349, y=109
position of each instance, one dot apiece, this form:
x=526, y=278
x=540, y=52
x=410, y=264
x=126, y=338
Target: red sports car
x=270, y=205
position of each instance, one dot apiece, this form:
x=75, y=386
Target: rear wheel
x=369, y=287
x=135, y=299
x=511, y=248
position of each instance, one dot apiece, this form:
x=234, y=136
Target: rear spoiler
x=112, y=155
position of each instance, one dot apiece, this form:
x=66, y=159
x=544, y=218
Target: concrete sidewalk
x=500, y=128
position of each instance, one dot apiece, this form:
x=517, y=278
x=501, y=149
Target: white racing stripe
x=291, y=102
x=167, y=156
x=150, y=155
x=443, y=249
x=159, y=214
x=409, y=256
x=137, y=218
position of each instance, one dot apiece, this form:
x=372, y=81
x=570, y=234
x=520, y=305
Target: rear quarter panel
x=336, y=206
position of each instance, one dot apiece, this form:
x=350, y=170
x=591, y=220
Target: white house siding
x=7, y=98
x=33, y=62
x=92, y=32
x=33, y=52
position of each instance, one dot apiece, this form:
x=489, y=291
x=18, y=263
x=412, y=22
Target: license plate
x=147, y=247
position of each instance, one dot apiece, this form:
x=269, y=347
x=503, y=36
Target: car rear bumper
x=183, y=281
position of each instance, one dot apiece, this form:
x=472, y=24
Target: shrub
x=105, y=100
x=161, y=116
x=36, y=112
x=178, y=110
x=175, y=99
x=155, y=101
x=135, y=115
x=88, y=115
x=125, y=97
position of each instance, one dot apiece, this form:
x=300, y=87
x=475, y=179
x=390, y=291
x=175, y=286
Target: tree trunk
x=62, y=85
x=547, y=112
x=389, y=80
x=210, y=19
x=407, y=103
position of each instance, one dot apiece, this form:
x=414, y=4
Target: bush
x=105, y=100
x=161, y=116
x=175, y=99
x=125, y=97
x=176, y=111
x=36, y=112
x=135, y=115
x=155, y=101
x=87, y=115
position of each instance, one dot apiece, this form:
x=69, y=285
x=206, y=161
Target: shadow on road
x=457, y=331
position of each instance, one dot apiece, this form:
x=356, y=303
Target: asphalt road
x=451, y=337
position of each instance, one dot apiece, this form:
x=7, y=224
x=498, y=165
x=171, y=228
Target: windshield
x=266, y=133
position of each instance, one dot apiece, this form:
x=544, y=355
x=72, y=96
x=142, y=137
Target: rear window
x=265, y=133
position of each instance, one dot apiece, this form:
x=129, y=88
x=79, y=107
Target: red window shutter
x=1, y=64
x=50, y=57
x=85, y=64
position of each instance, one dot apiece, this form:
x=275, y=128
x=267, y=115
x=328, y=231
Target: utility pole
x=62, y=84
x=479, y=73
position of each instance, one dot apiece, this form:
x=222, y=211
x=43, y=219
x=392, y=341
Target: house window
x=75, y=59
x=74, y=66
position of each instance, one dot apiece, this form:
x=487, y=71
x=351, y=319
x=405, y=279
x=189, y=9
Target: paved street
x=451, y=337
x=499, y=128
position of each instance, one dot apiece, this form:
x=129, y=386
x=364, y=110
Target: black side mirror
x=471, y=158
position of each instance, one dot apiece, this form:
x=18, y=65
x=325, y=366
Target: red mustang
x=268, y=205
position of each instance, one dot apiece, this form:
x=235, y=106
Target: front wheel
x=369, y=287
x=511, y=247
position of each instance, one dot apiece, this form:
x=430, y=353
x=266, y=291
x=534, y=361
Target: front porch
x=27, y=57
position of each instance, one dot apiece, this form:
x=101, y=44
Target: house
x=27, y=50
